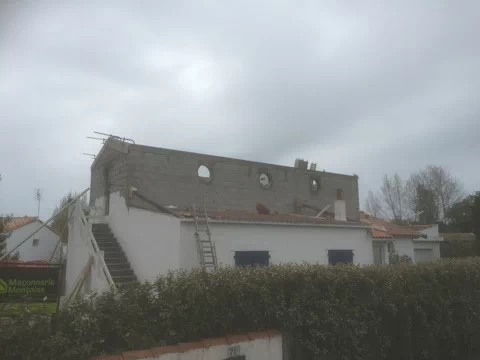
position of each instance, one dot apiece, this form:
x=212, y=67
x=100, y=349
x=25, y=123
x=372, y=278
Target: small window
x=265, y=180
x=251, y=258
x=35, y=242
x=204, y=172
x=314, y=186
x=340, y=257
x=340, y=195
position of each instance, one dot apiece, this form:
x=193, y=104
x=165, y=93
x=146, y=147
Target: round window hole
x=314, y=185
x=265, y=181
x=204, y=172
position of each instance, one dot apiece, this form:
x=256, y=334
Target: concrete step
x=103, y=235
x=121, y=272
x=124, y=265
x=115, y=258
x=124, y=279
x=109, y=247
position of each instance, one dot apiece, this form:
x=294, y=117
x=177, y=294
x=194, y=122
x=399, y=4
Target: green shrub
x=404, y=311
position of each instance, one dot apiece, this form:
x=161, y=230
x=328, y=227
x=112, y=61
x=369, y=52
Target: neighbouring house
x=418, y=242
x=154, y=210
x=41, y=246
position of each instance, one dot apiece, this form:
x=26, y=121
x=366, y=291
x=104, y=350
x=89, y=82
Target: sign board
x=35, y=288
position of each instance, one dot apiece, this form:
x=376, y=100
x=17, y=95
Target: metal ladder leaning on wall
x=206, y=248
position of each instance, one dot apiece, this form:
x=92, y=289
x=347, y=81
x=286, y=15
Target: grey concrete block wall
x=170, y=177
x=116, y=163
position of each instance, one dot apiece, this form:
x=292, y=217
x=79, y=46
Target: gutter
x=240, y=222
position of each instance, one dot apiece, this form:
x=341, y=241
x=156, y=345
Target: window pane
x=340, y=256
x=251, y=258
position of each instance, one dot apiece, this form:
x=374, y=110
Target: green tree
x=59, y=223
x=476, y=219
x=4, y=234
x=460, y=216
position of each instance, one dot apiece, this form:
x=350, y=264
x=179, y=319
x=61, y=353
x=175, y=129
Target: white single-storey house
x=38, y=248
x=143, y=221
x=139, y=243
x=153, y=210
x=418, y=242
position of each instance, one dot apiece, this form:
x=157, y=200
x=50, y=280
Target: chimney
x=313, y=166
x=340, y=210
x=301, y=164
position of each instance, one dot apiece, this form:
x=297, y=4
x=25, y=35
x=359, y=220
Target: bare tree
x=59, y=224
x=438, y=180
x=393, y=191
x=373, y=205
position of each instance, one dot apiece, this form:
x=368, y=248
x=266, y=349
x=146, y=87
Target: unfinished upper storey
x=170, y=177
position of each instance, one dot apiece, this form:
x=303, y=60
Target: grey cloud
x=370, y=89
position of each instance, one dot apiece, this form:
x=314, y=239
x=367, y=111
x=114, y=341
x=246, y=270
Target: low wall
x=259, y=345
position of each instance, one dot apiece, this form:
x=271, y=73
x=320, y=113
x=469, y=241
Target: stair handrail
x=96, y=249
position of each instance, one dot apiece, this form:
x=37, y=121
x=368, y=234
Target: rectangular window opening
x=252, y=258
x=340, y=257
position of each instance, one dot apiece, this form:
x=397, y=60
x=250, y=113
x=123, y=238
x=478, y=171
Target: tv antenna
x=108, y=136
x=38, y=198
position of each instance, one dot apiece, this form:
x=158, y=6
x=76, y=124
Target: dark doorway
x=106, y=193
x=251, y=258
x=340, y=256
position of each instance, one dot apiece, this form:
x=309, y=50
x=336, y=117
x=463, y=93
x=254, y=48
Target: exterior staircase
x=115, y=258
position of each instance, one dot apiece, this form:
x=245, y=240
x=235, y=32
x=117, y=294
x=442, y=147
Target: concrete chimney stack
x=340, y=210
x=301, y=164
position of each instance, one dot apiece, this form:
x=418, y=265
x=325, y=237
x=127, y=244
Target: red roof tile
x=236, y=215
x=17, y=222
x=379, y=234
x=391, y=229
x=421, y=227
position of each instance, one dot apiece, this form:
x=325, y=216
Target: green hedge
x=426, y=311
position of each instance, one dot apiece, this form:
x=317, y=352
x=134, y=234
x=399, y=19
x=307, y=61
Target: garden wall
x=265, y=345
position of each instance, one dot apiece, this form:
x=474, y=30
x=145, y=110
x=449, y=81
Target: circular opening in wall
x=204, y=172
x=314, y=186
x=265, y=180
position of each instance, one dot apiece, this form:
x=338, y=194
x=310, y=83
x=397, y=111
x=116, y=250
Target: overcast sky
x=364, y=87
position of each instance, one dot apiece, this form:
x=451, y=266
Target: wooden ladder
x=207, y=253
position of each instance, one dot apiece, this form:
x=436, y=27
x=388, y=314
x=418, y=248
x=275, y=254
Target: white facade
x=251, y=346
x=408, y=246
x=39, y=247
x=150, y=240
x=79, y=252
x=155, y=243
x=421, y=249
x=284, y=242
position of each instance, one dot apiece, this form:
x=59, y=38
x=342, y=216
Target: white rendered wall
x=265, y=348
x=150, y=240
x=435, y=246
x=79, y=251
x=404, y=246
x=432, y=233
x=285, y=243
x=46, y=244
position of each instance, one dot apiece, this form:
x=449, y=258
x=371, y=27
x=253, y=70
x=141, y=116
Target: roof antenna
x=38, y=198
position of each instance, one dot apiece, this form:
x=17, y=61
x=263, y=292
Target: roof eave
x=242, y=222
